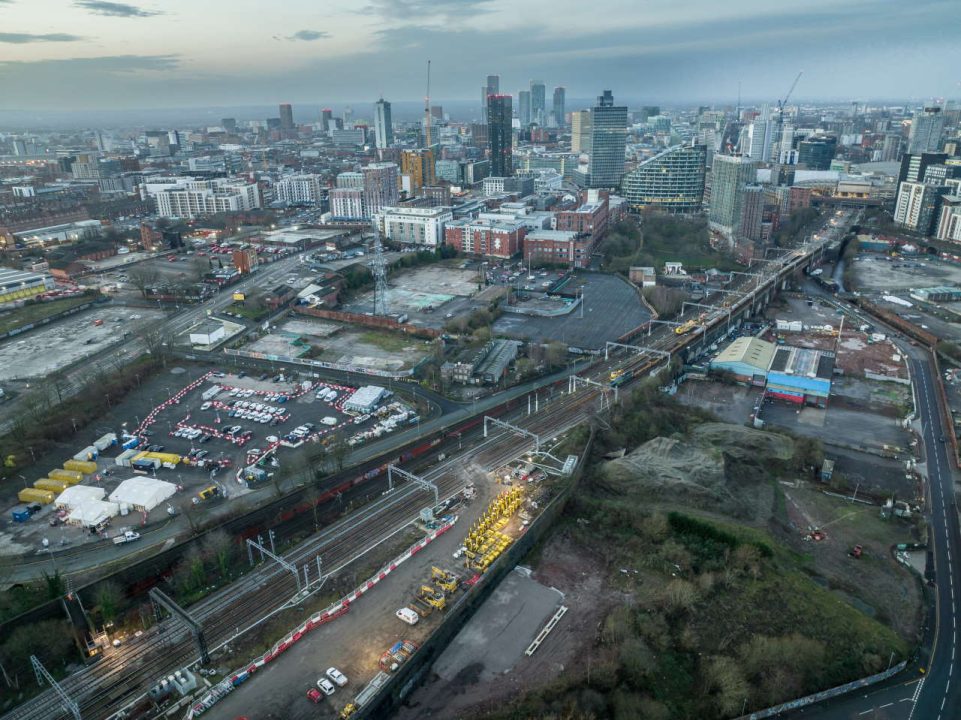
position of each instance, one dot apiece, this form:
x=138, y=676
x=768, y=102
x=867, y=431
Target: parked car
x=326, y=685
x=337, y=676
x=314, y=695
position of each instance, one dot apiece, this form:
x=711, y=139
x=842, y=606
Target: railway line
x=121, y=677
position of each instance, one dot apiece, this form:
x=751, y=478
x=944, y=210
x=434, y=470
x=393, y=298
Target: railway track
x=119, y=678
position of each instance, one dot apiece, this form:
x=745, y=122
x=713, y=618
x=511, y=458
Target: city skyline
x=88, y=54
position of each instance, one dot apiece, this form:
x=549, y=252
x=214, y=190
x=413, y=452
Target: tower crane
x=427, y=108
x=780, y=114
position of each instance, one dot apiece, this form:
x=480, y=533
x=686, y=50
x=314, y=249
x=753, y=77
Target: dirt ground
x=562, y=565
x=876, y=584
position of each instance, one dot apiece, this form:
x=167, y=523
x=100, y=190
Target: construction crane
x=780, y=114
x=427, y=108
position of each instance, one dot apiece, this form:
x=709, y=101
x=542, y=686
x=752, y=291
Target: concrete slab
x=499, y=633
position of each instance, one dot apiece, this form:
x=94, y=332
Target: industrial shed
x=143, y=493
x=77, y=495
x=801, y=376
x=747, y=359
x=365, y=398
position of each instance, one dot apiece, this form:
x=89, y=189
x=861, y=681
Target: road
x=927, y=690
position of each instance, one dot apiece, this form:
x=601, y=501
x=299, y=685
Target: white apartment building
x=949, y=221
x=347, y=203
x=190, y=198
x=350, y=179
x=914, y=198
x=298, y=189
x=413, y=225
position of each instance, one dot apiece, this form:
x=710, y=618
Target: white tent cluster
x=143, y=493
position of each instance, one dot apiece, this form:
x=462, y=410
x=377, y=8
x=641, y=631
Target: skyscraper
x=581, y=131
x=538, y=102
x=499, y=115
x=493, y=87
x=760, y=136
x=558, y=109
x=524, y=107
x=383, y=129
x=672, y=180
x=326, y=120
x=286, y=117
x=817, y=152
x=926, y=129
x=608, y=140
x=729, y=176
x=380, y=186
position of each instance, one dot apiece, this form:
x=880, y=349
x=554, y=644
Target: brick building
x=558, y=247
x=490, y=238
x=590, y=217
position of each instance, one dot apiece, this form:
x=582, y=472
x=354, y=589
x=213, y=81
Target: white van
x=408, y=615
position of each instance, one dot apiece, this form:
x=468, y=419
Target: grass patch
x=388, y=342
x=37, y=311
x=249, y=312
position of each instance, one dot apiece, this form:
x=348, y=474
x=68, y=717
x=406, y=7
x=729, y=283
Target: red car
x=315, y=695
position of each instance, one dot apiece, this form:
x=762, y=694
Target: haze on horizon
x=98, y=55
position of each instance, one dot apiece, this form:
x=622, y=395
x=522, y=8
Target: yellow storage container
x=171, y=458
x=84, y=466
x=52, y=485
x=73, y=477
x=34, y=495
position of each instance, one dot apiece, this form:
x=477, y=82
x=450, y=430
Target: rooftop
x=750, y=350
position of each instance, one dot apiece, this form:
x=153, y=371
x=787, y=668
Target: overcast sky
x=85, y=54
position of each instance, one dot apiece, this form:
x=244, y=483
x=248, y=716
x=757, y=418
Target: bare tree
x=142, y=277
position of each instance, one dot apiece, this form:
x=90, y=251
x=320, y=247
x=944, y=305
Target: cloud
x=23, y=38
x=308, y=35
x=113, y=9
x=426, y=9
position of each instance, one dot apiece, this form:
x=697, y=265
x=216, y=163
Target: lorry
x=125, y=537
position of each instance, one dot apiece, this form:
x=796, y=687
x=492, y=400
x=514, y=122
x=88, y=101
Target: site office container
x=164, y=458
x=35, y=495
x=71, y=477
x=88, y=453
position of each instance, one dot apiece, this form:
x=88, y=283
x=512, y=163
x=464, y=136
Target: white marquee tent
x=77, y=495
x=91, y=513
x=143, y=493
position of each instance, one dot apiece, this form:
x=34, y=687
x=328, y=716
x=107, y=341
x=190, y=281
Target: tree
x=218, y=547
x=108, y=596
x=556, y=354
x=142, y=277
x=339, y=449
x=50, y=640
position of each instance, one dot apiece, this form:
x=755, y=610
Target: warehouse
x=747, y=359
x=937, y=294
x=365, y=399
x=801, y=376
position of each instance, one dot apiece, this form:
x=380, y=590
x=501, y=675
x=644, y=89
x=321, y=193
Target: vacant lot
x=34, y=312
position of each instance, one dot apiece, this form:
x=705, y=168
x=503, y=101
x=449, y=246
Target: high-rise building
x=229, y=124
x=492, y=87
x=437, y=112
x=326, y=120
x=915, y=166
x=760, y=136
x=383, y=129
x=499, y=135
x=752, y=213
x=286, y=116
x=581, y=131
x=298, y=189
x=672, y=180
x=729, y=176
x=524, y=107
x=917, y=206
x=418, y=166
x=816, y=153
x=347, y=203
x=538, y=102
x=608, y=140
x=558, y=106
x=380, y=187
x=927, y=127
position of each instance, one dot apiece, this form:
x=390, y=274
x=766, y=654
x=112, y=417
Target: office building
x=558, y=247
x=299, y=189
x=380, y=187
x=538, y=102
x=383, y=129
x=608, y=140
x=589, y=219
x=927, y=126
x=759, y=134
x=729, y=176
x=286, y=117
x=524, y=108
x=418, y=167
x=500, y=134
x=914, y=166
x=672, y=180
x=354, y=136
x=229, y=124
x=816, y=153
x=327, y=120
x=558, y=106
x=489, y=238
x=414, y=225
x=449, y=170
x=581, y=131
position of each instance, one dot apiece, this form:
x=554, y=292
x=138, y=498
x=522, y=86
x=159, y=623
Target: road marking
x=884, y=706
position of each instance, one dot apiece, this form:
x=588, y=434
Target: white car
x=408, y=615
x=337, y=676
x=205, y=406
x=326, y=686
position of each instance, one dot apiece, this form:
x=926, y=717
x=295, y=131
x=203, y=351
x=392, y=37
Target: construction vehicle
x=208, y=492
x=431, y=597
x=446, y=581
x=349, y=709
x=397, y=655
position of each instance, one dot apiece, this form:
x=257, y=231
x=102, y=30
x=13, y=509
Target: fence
x=375, y=321
x=411, y=673
x=825, y=694
x=321, y=364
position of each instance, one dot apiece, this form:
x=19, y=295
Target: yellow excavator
x=431, y=597
x=446, y=581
